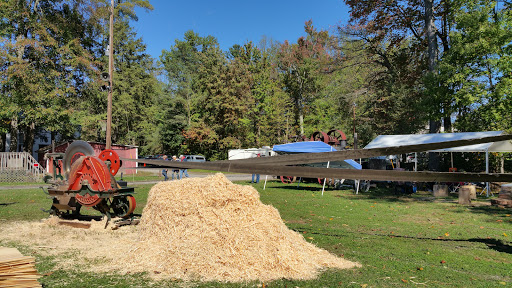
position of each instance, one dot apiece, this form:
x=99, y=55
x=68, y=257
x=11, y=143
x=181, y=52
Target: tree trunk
x=301, y=119
x=2, y=142
x=29, y=137
x=13, y=147
x=447, y=123
x=430, y=29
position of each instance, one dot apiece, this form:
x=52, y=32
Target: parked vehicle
x=194, y=158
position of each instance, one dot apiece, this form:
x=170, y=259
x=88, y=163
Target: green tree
x=477, y=69
x=227, y=98
x=181, y=105
x=135, y=87
x=302, y=65
x=45, y=59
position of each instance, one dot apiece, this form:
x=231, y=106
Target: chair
x=454, y=187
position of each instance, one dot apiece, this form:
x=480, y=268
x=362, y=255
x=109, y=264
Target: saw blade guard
x=74, y=151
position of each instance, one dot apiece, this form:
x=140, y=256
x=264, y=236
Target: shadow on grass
x=494, y=244
x=7, y=204
x=306, y=187
x=494, y=210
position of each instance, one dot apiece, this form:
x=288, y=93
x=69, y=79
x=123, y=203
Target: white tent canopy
x=383, y=141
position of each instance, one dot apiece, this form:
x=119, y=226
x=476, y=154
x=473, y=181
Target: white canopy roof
x=383, y=141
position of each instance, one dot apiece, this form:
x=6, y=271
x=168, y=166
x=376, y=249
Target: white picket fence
x=19, y=167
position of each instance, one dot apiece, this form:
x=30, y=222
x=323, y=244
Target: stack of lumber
x=17, y=270
x=505, y=196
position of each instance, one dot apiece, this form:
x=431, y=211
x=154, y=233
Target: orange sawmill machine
x=82, y=179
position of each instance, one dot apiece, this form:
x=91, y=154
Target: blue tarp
x=311, y=147
x=304, y=147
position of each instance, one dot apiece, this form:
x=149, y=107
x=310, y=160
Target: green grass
x=20, y=183
x=155, y=175
x=400, y=241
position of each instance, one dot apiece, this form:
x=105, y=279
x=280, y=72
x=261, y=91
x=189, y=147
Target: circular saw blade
x=73, y=152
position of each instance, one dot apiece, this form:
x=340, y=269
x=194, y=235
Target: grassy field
x=407, y=241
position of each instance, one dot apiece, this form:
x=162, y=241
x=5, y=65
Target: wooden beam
x=315, y=172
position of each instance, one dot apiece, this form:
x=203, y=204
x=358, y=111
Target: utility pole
x=111, y=73
x=355, y=134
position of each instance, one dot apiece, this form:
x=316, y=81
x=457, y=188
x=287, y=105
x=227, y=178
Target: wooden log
x=472, y=191
x=506, y=191
x=464, y=195
x=506, y=188
x=75, y=224
x=440, y=190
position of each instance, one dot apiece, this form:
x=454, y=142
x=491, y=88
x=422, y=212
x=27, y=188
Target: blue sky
x=234, y=22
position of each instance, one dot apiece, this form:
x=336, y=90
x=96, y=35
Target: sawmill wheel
x=338, y=135
x=123, y=206
x=288, y=179
x=112, y=157
x=320, y=136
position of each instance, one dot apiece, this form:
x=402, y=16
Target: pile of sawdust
x=213, y=230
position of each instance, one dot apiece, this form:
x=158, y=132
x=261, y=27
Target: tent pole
x=325, y=179
x=265, y=185
x=415, y=161
x=487, y=171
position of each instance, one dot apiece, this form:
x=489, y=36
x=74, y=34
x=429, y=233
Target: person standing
x=177, y=171
x=164, y=171
x=183, y=171
x=257, y=175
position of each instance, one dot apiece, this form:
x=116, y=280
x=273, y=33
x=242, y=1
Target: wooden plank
x=17, y=270
x=307, y=158
x=275, y=165
x=316, y=172
x=9, y=254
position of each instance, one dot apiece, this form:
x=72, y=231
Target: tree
x=181, y=63
x=51, y=51
x=271, y=105
x=301, y=66
x=181, y=105
x=224, y=123
x=44, y=60
x=477, y=69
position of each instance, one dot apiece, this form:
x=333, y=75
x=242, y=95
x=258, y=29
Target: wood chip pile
x=17, y=270
x=210, y=229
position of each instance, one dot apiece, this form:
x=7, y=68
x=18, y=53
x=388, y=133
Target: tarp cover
x=312, y=147
x=383, y=141
x=304, y=147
